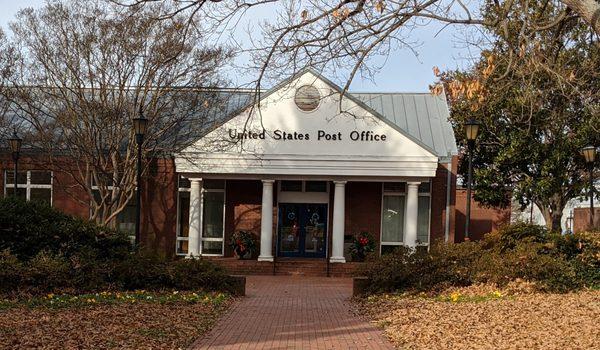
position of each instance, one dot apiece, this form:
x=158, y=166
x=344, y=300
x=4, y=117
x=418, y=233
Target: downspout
x=448, y=193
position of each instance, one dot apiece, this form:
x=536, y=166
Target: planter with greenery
x=362, y=244
x=243, y=244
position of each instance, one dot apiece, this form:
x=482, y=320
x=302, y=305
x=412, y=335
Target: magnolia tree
x=539, y=106
x=82, y=70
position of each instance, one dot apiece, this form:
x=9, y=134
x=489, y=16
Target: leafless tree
x=343, y=35
x=85, y=69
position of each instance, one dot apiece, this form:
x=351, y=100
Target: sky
x=402, y=70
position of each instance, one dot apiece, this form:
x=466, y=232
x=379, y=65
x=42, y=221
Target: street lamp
x=15, y=145
x=139, y=127
x=471, y=130
x=589, y=153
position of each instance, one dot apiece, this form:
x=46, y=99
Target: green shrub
x=45, y=251
x=190, y=274
x=28, y=228
x=11, y=272
x=509, y=236
x=528, y=252
x=47, y=272
x=392, y=271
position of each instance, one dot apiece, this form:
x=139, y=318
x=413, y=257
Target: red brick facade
x=581, y=219
x=243, y=205
x=483, y=219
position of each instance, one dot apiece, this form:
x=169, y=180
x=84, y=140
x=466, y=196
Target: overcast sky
x=402, y=72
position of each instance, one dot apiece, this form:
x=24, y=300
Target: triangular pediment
x=278, y=137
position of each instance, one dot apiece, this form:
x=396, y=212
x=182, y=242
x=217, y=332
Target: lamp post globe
x=15, y=143
x=472, y=127
x=589, y=154
x=140, y=125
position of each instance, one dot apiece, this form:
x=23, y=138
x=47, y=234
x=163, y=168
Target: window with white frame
x=32, y=185
x=393, y=214
x=303, y=186
x=213, y=217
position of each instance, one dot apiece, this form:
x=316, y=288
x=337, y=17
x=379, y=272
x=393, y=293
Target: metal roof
x=424, y=116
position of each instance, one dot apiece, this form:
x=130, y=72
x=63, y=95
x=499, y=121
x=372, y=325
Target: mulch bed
x=119, y=326
x=530, y=321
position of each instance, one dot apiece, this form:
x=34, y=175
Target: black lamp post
x=471, y=129
x=15, y=145
x=139, y=127
x=589, y=153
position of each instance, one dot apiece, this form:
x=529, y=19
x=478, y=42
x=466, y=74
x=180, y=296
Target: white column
x=412, y=212
x=196, y=202
x=339, y=209
x=266, y=222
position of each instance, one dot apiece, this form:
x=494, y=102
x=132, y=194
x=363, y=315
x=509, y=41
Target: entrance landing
x=288, y=312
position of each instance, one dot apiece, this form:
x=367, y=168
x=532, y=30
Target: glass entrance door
x=302, y=230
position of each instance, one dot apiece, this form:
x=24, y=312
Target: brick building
x=300, y=175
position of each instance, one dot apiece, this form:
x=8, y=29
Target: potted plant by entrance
x=362, y=244
x=243, y=244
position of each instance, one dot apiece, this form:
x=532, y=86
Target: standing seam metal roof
x=424, y=116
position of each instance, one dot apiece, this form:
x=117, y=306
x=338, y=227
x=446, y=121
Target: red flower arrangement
x=362, y=244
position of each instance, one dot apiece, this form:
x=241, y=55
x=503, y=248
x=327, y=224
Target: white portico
x=305, y=152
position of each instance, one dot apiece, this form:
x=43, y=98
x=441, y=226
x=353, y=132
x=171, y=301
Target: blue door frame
x=302, y=230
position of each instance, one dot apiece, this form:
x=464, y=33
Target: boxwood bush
x=554, y=262
x=45, y=251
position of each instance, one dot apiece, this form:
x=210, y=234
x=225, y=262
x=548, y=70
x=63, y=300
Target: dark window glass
x=184, y=183
x=41, y=178
x=126, y=219
x=104, y=180
x=212, y=247
x=212, y=219
x=182, y=247
x=184, y=214
x=291, y=186
x=394, y=187
x=213, y=184
x=21, y=177
x=21, y=192
x=41, y=195
x=424, y=187
x=315, y=186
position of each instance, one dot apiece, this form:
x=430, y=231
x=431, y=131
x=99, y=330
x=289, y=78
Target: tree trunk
x=552, y=216
x=589, y=10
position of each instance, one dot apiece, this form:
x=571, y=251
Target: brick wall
x=483, y=219
x=439, y=194
x=243, y=202
x=363, y=208
x=581, y=219
x=159, y=206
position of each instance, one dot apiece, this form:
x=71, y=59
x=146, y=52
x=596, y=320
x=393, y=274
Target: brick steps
x=288, y=267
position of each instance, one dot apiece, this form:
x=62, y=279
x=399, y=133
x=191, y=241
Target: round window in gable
x=307, y=98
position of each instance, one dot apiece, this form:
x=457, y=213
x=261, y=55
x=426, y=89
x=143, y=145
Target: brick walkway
x=288, y=312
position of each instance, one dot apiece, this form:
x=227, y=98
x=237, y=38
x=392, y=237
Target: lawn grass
x=138, y=319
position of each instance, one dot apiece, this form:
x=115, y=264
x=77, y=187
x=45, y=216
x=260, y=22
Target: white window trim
x=28, y=185
x=403, y=194
x=303, y=196
x=213, y=239
x=383, y=194
x=201, y=238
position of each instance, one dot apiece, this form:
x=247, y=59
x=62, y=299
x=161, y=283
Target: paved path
x=281, y=312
